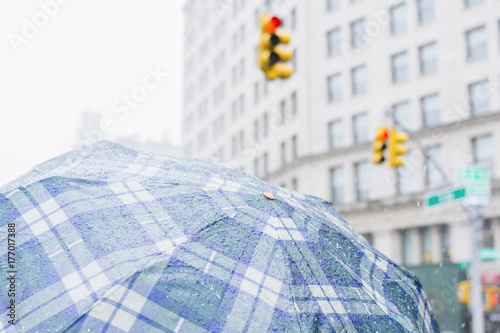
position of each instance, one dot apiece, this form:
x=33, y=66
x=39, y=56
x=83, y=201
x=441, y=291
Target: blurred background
x=183, y=78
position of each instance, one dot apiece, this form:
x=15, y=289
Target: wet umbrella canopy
x=122, y=241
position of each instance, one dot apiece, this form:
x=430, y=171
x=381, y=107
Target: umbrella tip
x=269, y=195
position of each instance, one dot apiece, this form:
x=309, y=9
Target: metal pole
x=475, y=220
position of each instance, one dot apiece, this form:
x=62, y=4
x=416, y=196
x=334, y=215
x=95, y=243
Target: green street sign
x=489, y=253
x=475, y=180
x=477, y=184
x=444, y=196
x=464, y=265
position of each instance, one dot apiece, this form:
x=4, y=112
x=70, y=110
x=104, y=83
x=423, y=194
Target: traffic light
x=397, y=148
x=490, y=295
x=380, y=144
x=463, y=292
x=273, y=55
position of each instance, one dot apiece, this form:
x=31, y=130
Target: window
x=479, y=98
x=400, y=67
x=293, y=100
x=398, y=18
x=235, y=41
x=483, y=150
x=294, y=148
x=234, y=145
x=362, y=181
x=256, y=130
x=433, y=173
x=234, y=110
x=332, y=5
x=256, y=167
x=242, y=140
x=242, y=34
x=477, y=47
x=358, y=33
x=337, y=179
x=335, y=134
x=242, y=69
x=425, y=237
x=283, y=154
x=334, y=87
x=359, y=80
x=266, y=164
x=428, y=58
x=488, y=234
x=472, y=3
x=294, y=60
x=221, y=124
x=283, y=111
x=430, y=110
x=242, y=104
x=405, y=177
x=402, y=117
x=360, y=128
x=266, y=124
x=294, y=184
x=426, y=11
x=235, y=75
x=445, y=243
x=333, y=42
x=407, y=247
x=256, y=92
x=215, y=130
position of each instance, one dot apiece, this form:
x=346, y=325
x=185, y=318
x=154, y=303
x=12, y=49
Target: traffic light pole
x=475, y=220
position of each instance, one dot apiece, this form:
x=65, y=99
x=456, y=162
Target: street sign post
x=444, y=197
x=473, y=191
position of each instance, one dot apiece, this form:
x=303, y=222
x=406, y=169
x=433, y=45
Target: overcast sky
x=69, y=56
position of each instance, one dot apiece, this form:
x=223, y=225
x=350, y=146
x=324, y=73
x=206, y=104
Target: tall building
x=433, y=66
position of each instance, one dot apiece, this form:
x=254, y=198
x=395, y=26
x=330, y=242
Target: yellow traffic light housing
x=463, y=292
x=397, y=148
x=272, y=54
x=380, y=144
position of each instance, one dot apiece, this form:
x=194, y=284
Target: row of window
x=431, y=116
x=286, y=157
x=422, y=239
x=238, y=72
x=426, y=10
x=482, y=147
x=476, y=40
x=424, y=235
x=400, y=66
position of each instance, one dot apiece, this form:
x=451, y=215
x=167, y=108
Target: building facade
x=431, y=67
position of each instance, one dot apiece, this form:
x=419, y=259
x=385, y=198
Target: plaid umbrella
x=110, y=239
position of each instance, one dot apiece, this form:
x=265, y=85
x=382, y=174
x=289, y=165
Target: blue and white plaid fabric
x=122, y=241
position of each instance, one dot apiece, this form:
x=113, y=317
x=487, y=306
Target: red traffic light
x=383, y=135
x=273, y=24
x=493, y=298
